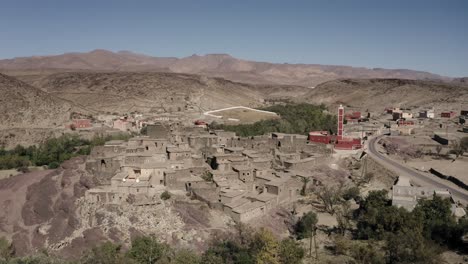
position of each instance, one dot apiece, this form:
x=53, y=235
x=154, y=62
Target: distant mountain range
x=214, y=65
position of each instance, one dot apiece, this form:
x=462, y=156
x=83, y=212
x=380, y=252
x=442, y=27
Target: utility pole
x=310, y=242
x=315, y=243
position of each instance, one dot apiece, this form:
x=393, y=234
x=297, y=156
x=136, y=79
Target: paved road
x=424, y=179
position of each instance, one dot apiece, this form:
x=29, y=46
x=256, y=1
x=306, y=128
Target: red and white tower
x=340, y=122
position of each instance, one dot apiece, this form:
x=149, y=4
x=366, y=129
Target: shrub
x=351, y=193
x=207, y=176
x=53, y=165
x=165, y=195
x=147, y=249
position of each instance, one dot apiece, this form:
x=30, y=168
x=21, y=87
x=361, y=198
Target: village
x=245, y=177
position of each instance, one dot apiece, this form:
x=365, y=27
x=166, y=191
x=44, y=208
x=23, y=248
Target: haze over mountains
x=214, y=65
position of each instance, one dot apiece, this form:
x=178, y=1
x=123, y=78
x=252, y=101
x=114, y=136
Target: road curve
x=458, y=194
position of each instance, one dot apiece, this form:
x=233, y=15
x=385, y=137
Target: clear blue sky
x=422, y=34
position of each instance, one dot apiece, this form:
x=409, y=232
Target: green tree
x=6, y=249
x=366, y=253
x=457, y=149
x=295, y=118
x=207, y=176
x=184, y=256
x=409, y=246
x=106, y=253
x=265, y=247
x=165, y=195
x=306, y=225
x=464, y=144
x=330, y=196
x=438, y=221
x=147, y=249
x=351, y=193
x=290, y=252
x=229, y=251
x=53, y=165
x=305, y=181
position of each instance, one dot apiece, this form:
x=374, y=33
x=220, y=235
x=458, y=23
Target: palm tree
x=304, y=180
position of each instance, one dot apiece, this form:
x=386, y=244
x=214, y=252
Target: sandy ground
x=4, y=174
x=457, y=168
x=8, y=173
x=245, y=116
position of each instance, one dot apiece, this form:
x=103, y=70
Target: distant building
x=393, y=110
x=406, y=115
x=122, y=124
x=200, y=123
x=427, y=114
x=340, y=141
x=407, y=196
x=320, y=137
x=397, y=115
x=449, y=114
x=405, y=123
x=80, y=124
x=353, y=117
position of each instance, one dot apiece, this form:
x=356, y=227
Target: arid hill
x=154, y=91
x=24, y=106
x=376, y=94
x=48, y=210
x=214, y=65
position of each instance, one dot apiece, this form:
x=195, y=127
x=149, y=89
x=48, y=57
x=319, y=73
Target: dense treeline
x=295, y=119
x=52, y=152
x=418, y=236
x=243, y=246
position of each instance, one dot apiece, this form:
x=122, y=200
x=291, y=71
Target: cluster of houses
x=406, y=121
x=132, y=122
x=243, y=176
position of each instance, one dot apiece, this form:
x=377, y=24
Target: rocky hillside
x=24, y=106
x=48, y=210
x=154, y=92
x=214, y=65
x=376, y=94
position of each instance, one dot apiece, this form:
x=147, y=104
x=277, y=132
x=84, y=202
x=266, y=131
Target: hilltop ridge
x=214, y=65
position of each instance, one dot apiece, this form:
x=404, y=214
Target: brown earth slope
x=155, y=91
x=214, y=65
x=24, y=106
x=376, y=94
x=48, y=210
